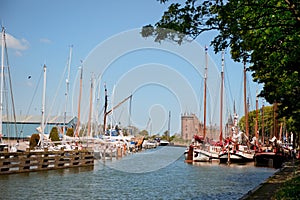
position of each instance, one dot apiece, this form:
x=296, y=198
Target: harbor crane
x=106, y=113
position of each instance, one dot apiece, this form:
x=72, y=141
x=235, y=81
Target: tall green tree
x=268, y=122
x=263, y=33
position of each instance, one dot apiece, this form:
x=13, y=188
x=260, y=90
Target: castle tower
x=190, y=126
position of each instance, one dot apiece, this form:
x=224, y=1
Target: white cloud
x=14, y=43
x=45, y=40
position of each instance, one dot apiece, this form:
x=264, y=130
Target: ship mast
x=221, y=100
x=91, y=107
x=263, y=123
x=2, y=81
x=67, y=90
x=79, y=102
x=105, y=108
x=169, y=125
x=275, y=127
x=205, y=85
x=256, y=121
x=245, y=102
x=43, y=108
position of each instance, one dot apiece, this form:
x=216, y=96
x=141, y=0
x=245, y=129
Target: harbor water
x=153, y=174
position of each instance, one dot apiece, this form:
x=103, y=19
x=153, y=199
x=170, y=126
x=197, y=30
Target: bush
x=54, y=134
x=70, y=132
x=34, y=140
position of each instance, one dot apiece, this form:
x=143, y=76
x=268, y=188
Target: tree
x=54, y=134
x=34, y=140
x=70, y=132
x=268, y=122
x=165, y=136
x=144, y=133
x=263, y=33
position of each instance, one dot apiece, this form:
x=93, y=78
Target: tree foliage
x=266, y=120
x=54, y=134
x=34, y=140
x=70, y=132
x=144, y=133
x=263, y=33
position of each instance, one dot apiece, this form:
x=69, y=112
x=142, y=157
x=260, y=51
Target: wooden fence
x=29, y=161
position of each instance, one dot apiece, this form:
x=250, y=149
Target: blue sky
x=41, y=31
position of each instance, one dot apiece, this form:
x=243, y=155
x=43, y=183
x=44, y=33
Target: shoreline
x=269, y=187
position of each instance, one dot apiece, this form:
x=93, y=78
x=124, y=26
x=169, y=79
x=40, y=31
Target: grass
x=290, y=190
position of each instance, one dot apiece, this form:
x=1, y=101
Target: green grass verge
x=290, y=190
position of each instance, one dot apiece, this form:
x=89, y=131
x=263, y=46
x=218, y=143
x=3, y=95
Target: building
x=190, y=126
x=25, y=126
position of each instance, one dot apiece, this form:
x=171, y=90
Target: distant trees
x=268, y=122
x=144, y=133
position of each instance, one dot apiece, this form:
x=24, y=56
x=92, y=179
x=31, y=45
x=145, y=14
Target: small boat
x=163, y=143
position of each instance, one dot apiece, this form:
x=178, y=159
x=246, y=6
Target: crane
x=116, y=106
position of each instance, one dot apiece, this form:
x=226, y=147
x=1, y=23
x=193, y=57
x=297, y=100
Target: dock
x=31, y=161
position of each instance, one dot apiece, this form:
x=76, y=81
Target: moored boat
x=202, y=149
x=199, y=151
x=163, y=143
x=273, y=155
x=209, y=153
x=241, y=155
x=235, y=152
x=269, y=159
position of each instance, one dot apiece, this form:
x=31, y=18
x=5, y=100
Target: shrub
x=34, y=140
x=54, y=134
x=70, y=132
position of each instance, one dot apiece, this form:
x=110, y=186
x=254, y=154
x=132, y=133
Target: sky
x=105, y=42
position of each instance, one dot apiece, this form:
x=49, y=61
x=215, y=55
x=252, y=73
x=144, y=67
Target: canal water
x=152, y=174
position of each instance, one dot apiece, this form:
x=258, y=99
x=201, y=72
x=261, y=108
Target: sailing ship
x=236, y=150
x=202, y=150
x=6, y=146
x=272, y=154
x=2, y=145
x=235, y=153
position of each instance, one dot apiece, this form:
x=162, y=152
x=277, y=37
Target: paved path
x=267, y=189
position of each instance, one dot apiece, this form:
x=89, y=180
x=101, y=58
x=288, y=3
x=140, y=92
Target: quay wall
x=29, y=161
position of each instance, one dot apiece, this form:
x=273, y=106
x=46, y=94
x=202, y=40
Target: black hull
x=163, y=144
x=269, y=160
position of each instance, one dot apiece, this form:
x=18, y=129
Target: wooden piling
x=28, y=161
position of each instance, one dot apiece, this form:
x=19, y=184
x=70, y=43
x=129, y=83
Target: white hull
x=236, y=157
x=201, y=155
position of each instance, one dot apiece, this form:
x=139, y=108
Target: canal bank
x=267, y=189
